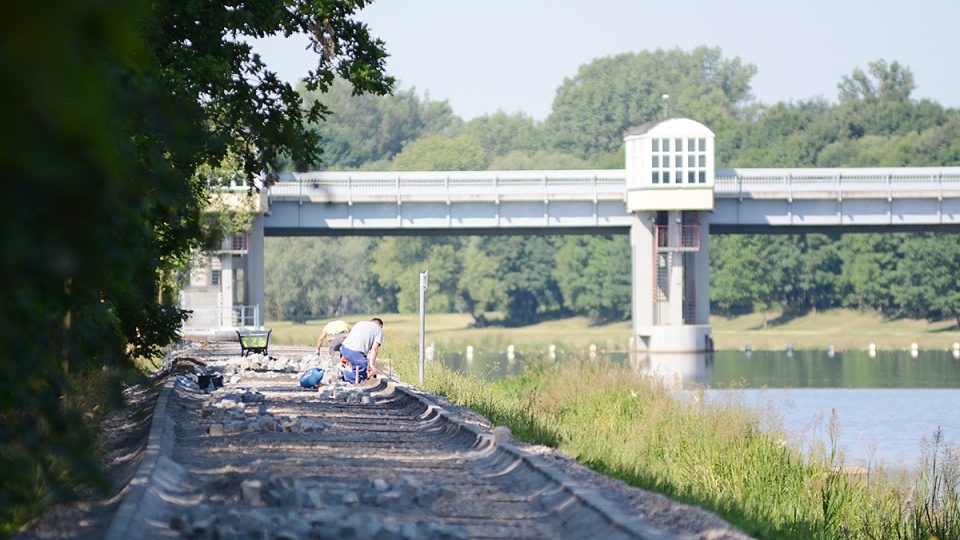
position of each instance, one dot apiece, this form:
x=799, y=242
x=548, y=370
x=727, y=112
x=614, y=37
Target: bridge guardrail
x=592, y=184
x=893, y=181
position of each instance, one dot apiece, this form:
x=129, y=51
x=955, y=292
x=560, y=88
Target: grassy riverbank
x=712, y=455
x=845, y=329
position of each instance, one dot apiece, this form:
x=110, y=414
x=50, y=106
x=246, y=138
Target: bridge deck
x=453, y=202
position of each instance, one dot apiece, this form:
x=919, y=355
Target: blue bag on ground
x=311, y=378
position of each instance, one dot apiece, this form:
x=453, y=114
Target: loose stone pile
x=314, y=510
x=237, y=410
x=240, y=365
x=332, y=523
x=345, y=392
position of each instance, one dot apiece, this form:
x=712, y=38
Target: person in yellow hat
x=336, y=331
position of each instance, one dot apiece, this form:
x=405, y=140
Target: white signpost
x=423, y=291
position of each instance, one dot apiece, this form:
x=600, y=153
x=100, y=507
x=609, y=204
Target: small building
x=225, y=288
x=669, y=166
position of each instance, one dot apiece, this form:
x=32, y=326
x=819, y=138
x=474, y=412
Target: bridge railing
x=212, y=317
x=455, y=184
x=790, y=182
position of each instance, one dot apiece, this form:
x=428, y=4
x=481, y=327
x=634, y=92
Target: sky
x=511, y=56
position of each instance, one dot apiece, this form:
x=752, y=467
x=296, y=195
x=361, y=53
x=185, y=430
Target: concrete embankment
x=263, y=457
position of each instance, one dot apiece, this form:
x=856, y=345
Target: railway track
x=265, y=458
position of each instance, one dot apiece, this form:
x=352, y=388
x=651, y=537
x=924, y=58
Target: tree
x=740, y=275
x=398, y=261
x=373, y=128
x=480, y=288
x=439, y=153
x=525, y=267
x=870, y=270
x=501, y=133
x=305, y=278
x=594, y=275
x=539, y=160
x=929, y=285
x=117, y=105
x=592, y=110
x=889, y=81
x=778, y=138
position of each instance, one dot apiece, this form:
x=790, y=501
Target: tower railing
x=687, y=240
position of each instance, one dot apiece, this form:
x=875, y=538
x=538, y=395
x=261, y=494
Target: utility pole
x=666, y=106
x=423, y=291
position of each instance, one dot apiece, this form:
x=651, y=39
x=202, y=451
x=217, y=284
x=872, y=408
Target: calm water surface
x=884, y=405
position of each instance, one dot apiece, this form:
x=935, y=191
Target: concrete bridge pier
x=255, y=271
x=671, y=291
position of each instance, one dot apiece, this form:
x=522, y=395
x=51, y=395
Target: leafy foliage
x=592, y=110
x=366, y=128
x=438, y=153
x=309, y=278
x=594, y=275
x=117, y=107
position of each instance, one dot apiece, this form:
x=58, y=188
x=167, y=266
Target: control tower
x=670, y=176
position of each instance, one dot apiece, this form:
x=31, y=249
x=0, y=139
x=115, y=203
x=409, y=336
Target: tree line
x=873, y=122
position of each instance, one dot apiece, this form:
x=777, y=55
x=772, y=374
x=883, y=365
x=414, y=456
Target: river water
x=884, y=406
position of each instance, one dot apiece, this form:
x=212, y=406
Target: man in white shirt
x=360, y=349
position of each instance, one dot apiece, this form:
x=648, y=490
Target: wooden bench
x=254, y=341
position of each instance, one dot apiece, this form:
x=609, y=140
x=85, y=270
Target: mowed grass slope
x=844, y=329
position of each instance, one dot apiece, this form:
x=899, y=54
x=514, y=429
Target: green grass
x=845, y=329
x=711, y=455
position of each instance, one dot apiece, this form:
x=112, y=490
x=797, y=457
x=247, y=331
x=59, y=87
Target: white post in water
x=423, y=292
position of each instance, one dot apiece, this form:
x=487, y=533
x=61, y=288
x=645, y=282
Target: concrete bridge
x=669, y=197
x=587, y=201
